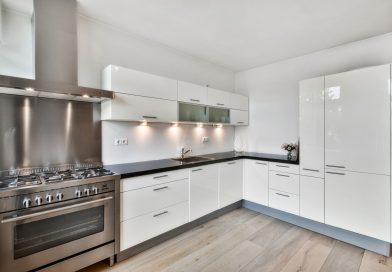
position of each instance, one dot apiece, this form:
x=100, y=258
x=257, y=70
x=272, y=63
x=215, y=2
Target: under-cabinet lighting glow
x=174, y=124
x=199, y=125
x=143, y=123
x=29, y=89
x=86, y=96
x=218, y=125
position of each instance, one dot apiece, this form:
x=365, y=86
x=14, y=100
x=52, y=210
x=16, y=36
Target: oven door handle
x=27, y=216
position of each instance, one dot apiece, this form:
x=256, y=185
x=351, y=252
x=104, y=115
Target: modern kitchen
x=196, y=135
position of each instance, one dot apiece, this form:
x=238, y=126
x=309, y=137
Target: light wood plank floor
x=244, y=240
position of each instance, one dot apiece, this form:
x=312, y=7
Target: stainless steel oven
x=41, y=235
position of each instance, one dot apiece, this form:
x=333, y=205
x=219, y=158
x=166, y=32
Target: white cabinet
x=358, y=202
x=357, y=120
x=230, y=182
x=142, y=228
x=284, y=167
x=311, y=200
x=124, y=80
x=284, y=182
x=192, y=93
x=239, y=117
x=239, y=102
x=204, y=194
x=126, y=107
x=256, y=181
x=311, y=128
x=284, y=201
x=217, y=98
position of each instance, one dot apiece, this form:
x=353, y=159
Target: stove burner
x=18, y=181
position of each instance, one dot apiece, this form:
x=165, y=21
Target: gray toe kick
x=356, y=239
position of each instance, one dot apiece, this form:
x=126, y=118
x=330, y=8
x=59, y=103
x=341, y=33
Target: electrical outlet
x=117, y=141
x=124, y=141
x=205, y=139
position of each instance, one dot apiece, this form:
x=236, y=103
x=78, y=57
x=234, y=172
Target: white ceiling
x=241, y=34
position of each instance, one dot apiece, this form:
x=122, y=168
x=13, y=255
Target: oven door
x=32, y=238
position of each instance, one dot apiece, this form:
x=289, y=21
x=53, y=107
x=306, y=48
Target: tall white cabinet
x=311, y=114
x=357, y=151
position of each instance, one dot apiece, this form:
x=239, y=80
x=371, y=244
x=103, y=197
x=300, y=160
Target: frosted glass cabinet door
x=311, y=126
x=357, y=120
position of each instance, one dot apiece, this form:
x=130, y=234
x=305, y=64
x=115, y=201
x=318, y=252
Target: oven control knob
x=27, y=202
x=78, y=193
x=59, y=196
x=95, y=190
x=49, y=198
x=38, y=200
x=87, y=191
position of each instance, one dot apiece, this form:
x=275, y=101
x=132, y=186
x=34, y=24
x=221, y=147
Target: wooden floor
x=244, y=240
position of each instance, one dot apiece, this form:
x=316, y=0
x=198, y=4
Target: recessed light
x=143, y=123
x=200, y=125
x=174, y=124
x=86, y=96
x=29, y=89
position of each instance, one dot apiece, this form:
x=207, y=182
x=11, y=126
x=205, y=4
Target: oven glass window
x=37, y=236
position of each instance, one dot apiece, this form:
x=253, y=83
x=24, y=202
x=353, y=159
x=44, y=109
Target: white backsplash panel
x=160, y=141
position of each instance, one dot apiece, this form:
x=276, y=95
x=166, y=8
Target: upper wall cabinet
x=311, y=126
x=357, y=120
x=239, y=117
x=239, y=102
x=217, y=98
x=192, y=93
x=124, y=80
x=127, y=107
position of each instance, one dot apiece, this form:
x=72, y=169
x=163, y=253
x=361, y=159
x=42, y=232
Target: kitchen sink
x=193, y=159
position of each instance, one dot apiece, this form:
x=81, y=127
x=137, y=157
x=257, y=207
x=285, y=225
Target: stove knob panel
x=87, y=191
x=49, y=198
x=78, y=193
x=59, y=196
x=38, y=200
x=95, y=190
x=27, y=202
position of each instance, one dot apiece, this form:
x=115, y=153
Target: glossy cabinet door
x=124, y=80
x=204, y=194
x=358, y=202
x=239, y=117
x=357, y=120
x=192, y=93
x=239, y=102
x=230, y=182
x=311, y=198
x=311, y=127
x=126, y=107
x=256, y=181
x=217, y=98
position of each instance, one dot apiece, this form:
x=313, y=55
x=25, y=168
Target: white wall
x=100, y=44
x=16, y=44
x=160, y=141
x=273, y=89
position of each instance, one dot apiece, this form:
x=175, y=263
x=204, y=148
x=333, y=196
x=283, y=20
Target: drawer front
x=284, y=167
x=128, y=184
x=149, y=199
x=284, y=201
x=284, y=182
x=142, y=228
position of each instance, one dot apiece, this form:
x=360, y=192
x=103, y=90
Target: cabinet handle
x=282, y=195
x=312, y=170
x=149, y=117
x=161, y=188
x=335, y=173
x=195, y=170
x=231, y=163
x=280, y=175
x=262, y=163
x=240, y=122
x=283, y=166
x=194, y=100
x=335, y=166
x=163, y=176
x=159, y=214
x=220, y=104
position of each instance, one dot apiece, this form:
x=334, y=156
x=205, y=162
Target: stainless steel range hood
x=56, y=62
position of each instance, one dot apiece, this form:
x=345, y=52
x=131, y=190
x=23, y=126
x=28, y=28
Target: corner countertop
x=128, y=170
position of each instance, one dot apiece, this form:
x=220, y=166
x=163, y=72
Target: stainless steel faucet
x=185, y=151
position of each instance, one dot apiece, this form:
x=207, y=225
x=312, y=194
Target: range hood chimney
x=56, y=56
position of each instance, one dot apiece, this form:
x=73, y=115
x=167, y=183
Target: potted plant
x=289, y=148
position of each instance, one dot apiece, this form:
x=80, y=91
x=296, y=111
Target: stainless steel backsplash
x=40, y=132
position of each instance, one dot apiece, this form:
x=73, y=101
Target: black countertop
x=135, y=169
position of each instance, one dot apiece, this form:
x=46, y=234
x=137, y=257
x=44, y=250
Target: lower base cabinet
x=311, y=198
x=284, y=201
x=256, y=181
x=142, y=228
x=230, y=182
x=358, y=202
